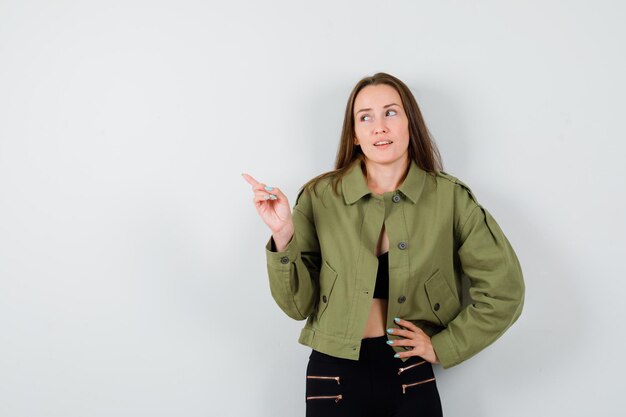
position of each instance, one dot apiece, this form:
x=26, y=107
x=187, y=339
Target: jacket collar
x=354, y=183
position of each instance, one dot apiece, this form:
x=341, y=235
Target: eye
x=393, y=112
x=363, y=118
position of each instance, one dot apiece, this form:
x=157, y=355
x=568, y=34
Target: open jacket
x=437, y=232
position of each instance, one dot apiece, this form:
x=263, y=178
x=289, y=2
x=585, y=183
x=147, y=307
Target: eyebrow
x=384, y=107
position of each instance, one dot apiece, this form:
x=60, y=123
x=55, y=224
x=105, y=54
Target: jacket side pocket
x=328, y=277
x=444, y=302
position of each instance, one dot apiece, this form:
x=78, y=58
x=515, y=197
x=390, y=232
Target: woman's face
x=381, y=126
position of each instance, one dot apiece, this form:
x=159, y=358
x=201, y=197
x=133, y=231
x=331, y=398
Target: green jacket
x=437, y=232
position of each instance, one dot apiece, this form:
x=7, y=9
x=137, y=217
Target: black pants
x=377, y=385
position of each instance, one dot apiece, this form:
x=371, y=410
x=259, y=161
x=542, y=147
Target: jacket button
x=436, y=307
x=401, y=299
x=396, y=198
x=324, y=299
x=402, y=245
x=284, y=260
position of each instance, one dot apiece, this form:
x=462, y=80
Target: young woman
x=372, y=257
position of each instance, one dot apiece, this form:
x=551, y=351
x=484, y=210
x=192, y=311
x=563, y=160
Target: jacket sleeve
x=294, y=272
x=496, y=283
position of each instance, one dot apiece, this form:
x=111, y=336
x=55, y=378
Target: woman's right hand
x=273, y=207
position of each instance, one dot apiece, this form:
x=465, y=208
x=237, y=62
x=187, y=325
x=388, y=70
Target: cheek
x=402, y=127
x=359, y=131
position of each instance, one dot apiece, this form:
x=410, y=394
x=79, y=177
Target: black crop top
x=382, y=277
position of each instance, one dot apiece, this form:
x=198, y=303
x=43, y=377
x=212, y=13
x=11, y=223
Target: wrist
x=284, y=232
x=282, y=238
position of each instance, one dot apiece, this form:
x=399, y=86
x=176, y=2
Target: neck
x=382, y=178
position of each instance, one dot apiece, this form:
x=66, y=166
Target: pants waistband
x=373, y=349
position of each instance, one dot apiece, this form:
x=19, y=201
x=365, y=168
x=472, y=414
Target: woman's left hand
x=415, y=337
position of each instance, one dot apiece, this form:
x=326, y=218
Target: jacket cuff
x=284, y=259
x=445, y=350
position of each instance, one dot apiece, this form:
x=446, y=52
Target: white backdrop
x=132, y=268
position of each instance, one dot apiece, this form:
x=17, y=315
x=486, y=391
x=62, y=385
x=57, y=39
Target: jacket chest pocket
x=328, y=277
x=444, y=302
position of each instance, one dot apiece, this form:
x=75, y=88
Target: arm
x=294, y=269
x=497, y=286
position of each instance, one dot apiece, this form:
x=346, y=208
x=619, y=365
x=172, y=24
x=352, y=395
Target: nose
x=380, y=128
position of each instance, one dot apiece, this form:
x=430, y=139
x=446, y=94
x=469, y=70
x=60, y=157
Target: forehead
x=375, y=96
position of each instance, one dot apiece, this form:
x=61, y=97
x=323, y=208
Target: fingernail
x=397, y=320
x=397, y=355
x=390, y=342
x=389, y=330
x=268, y=188
x=273, y=197
x=266, y=197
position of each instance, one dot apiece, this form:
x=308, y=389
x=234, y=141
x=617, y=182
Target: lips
x=383, y=142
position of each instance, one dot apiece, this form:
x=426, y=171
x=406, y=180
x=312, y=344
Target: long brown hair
x=422, y=147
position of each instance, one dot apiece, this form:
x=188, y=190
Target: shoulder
x=449, y=178
x=463, y=201
x=316, y=187
x=459, y=187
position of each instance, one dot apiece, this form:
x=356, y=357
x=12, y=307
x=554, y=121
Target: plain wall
x=132, y=265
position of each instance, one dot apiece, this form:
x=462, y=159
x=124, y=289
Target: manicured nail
x=273, y=197
x=397, y=355
x=390, y=342
x=397, y=320
x=389, y=330
x=266, y=197
x=268, y=188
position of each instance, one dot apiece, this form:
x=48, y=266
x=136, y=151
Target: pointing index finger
x=249, y=179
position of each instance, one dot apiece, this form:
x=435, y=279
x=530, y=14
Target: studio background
x=132, y=265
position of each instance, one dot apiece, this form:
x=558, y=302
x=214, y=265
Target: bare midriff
x=377, y=318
